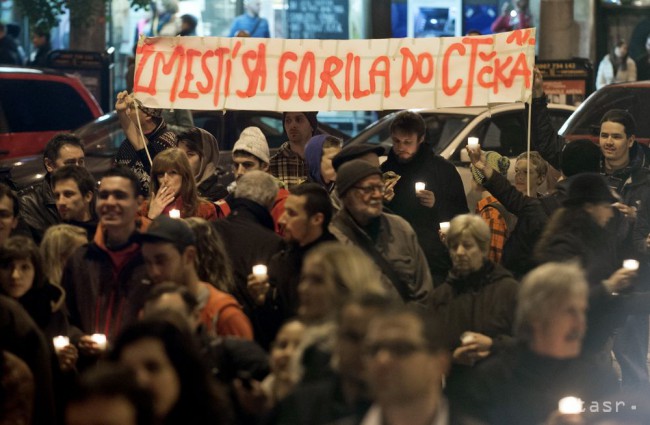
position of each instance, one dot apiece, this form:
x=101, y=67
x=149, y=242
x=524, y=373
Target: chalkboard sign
x=320, y=19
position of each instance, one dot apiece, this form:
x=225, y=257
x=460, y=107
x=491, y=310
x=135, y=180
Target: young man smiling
x=106, y=281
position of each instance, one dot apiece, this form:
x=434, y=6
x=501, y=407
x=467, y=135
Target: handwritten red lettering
x=190, y=54
x=308, y=64
x=254, y=75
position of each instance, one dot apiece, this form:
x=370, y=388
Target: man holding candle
x=106, y=280
x=169, y=251
x=387, y=238
x=441, y=199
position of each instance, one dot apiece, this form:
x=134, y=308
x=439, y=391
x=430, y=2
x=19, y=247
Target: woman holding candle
x=22, y=278
x=173, y=187
x=577, y=232
x=477, y=301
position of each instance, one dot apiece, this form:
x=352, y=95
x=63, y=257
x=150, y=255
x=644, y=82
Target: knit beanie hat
x=494, y=160
x=589, y=188
x=311, y=117
x=253, y=141
x=352, y=172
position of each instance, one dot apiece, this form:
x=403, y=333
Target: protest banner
x=337, y=75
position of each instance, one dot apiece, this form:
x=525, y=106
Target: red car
x=36, y=104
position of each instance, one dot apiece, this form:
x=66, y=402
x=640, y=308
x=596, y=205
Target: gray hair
x=472, y=225
x=543, y=292
x=349, y=267
x=257, y=186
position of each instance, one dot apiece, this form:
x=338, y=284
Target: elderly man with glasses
x=388, y=239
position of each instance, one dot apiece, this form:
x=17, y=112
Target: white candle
x=419, y=186
x=472, y=142
x=631, y=264
x=174, y=213
x=444, y=226
x=260, y=270
x=467, y=338
x=60, y=342
x=570, y=406
x=100, y=340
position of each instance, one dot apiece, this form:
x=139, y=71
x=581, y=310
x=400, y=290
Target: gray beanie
x=253, y=142
x=350, y=173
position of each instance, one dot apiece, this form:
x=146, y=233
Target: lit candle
x=100, y=340
x=467, y=338
x=570, y=406
x=444, y=226
x=174, y=213
x=631, y=264
x=472, y=142
x=419, y=186
x=60, y=342
x=259, y=270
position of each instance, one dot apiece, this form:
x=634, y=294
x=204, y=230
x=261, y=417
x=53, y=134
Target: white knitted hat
x=253, y=141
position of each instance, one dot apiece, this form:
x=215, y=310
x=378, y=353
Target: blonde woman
x=59, y=242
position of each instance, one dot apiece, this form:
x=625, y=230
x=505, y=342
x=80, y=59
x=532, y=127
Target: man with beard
x=443, y=198
x=305, y=221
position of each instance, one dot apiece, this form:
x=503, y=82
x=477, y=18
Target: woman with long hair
x=22, y=278
x=59, y=242
x=166, y=361
x=616, y=66
x=173, y=187
x=212, y=262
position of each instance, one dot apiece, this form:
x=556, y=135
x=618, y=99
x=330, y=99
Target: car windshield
x=103, y=136
x=585, y=121
x=441, y=130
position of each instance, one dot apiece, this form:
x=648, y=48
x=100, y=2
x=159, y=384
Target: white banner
x=338, y=75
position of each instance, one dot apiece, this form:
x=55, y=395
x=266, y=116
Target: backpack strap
x=222, y=207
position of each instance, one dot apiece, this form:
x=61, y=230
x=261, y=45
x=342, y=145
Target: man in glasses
x=37, y=203
x=388, y=239
x=405, y=363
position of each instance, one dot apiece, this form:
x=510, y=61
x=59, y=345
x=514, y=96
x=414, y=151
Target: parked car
x=35, y=104
x=104, y=136
x=501, y=128
x=633, y=97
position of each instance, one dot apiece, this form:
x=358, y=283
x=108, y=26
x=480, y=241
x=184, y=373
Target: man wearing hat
x=388, y=239
x=137, y=152
x=251, y=153
x=365, y=151
x=169, y=251
x=288, y=164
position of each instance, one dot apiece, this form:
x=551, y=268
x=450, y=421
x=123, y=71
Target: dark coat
x=583, y=240
x=442, y=178
x=249, y=238
x=483, y=302
x=37, y=209
x=22, y=337
x=531, y=218
x=99, y=297
x=518, y=386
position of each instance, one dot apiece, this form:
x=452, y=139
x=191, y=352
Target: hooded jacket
x=207, y=179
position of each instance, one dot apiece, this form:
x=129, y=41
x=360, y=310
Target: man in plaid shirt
x=288, y=164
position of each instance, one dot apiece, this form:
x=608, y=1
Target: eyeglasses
x=368, y=190
x=395, y=348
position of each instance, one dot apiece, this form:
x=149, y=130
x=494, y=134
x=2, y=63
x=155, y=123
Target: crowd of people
x=323, y=286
